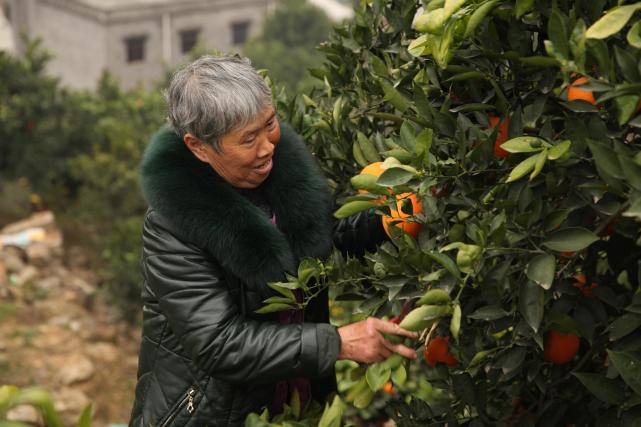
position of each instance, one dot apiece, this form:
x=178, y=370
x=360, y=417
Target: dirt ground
x=56, y=331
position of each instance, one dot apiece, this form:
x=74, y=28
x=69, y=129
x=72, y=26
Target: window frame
x=140, y=49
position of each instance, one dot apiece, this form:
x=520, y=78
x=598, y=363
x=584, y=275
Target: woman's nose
x=266, y=147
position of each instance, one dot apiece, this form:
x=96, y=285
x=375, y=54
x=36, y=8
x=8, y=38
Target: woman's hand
x=363, y=341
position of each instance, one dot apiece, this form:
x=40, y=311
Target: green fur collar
x=208, y=212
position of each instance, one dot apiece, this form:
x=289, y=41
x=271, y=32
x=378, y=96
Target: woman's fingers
x=400, y=349
x=393, y=329
x=363, y=341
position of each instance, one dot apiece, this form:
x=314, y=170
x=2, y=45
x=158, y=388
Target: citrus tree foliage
x=527, y=262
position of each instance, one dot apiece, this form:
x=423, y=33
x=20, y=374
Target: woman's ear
x=197, y=147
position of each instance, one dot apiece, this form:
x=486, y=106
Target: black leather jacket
x=206, y=357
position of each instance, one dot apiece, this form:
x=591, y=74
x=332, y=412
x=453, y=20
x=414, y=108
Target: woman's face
x=245, y=157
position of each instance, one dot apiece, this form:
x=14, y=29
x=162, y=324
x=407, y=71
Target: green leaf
x=394, y=96
x=434, y=296
x=488, y=313
x=522, y=7
x=272, y=308
x=612, y=22
x=395, y=176
x=377, y=375
x=399, y=375
x=558, y=33
x=85, y=417
x=351, y=208
x=570, y=239
x=423, y=145
x=605, y=158
x=624, y=325
x=629, y=366
x=626, y=106
x=307, y=269
x=364, y=398
x=634, y=35
x=294, y=403
x=524, y=144
x=367, y=148
x=478, y=16
x=541, y=270
x=423, y=316
x=283, y=300
x=287, y=293
x=431, y=22
x=559, y=150
x=446, y=262
x=523, y=168
x=452, y=6
x=408, y=136
x=332, y=414
x=531, y=298
x=540, y=162
x=605, y=389
x=455, y=323
x=539, y=61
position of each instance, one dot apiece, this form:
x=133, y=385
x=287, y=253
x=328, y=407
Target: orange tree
x=526, y=267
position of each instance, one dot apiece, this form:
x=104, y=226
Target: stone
x=24, y=413
x=70, y=400
x=104, y=352
x=13, y=259
x=39, y=254
x=49, y=283
x=28, y=274
x=77, y=369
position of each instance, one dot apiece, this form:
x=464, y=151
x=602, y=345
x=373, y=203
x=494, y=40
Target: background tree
x=287, y=45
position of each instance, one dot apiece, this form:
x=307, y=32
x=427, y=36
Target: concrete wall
x=131, y=73
x=77, y=43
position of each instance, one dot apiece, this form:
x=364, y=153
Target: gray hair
x=213, y=96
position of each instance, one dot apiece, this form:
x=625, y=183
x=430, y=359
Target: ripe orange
x=398, y=215
x=502, y=136
x=375, y=169
x=560, y=347
x=586, y=291
x=437, y=351
x=388, y=388
x=575, y=92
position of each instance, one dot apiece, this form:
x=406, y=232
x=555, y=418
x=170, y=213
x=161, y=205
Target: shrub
x=502, y=237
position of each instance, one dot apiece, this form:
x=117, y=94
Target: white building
x=136, y=40
x=133, y=39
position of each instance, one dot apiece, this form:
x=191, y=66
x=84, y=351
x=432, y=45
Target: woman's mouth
x=265, y=167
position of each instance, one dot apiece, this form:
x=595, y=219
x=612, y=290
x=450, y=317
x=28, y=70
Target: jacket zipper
x=187, y=400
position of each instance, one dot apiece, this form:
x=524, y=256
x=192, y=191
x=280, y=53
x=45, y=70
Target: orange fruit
x=567, y=254
x=388, y=388
x=375, y=169
x=437, y=351
x=575, y=92
x=398, y=215
x=580, y=278
x=560, y=347
x=502, y=135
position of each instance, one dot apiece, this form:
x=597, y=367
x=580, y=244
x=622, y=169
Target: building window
x=135, y=48
x=239, y=32
x=188, y=39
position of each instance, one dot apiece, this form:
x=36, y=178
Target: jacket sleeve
x=203, y=314
x=359, y=233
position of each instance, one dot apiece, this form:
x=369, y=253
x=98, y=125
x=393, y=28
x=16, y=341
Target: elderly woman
x=236, y=200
